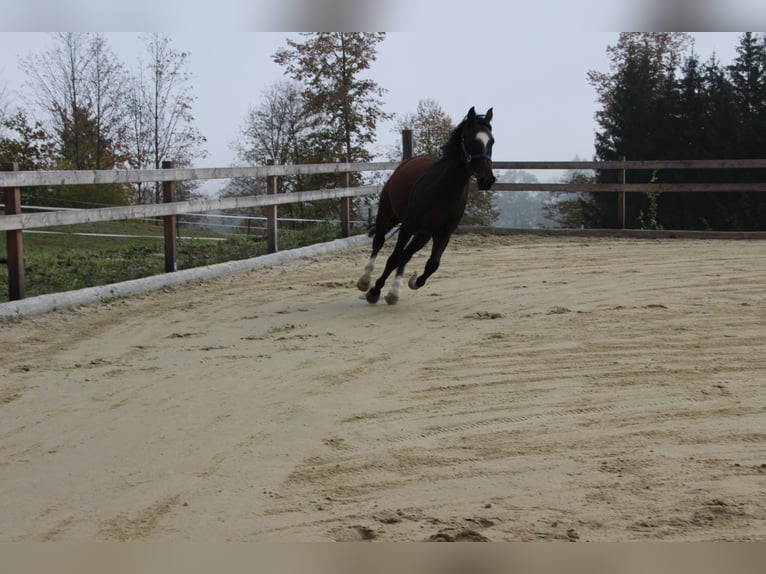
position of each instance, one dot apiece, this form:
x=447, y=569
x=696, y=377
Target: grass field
x=62, y=261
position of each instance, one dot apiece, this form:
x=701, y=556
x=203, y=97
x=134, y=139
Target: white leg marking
x=397, y=283
x=393, y=295
x=364, y=281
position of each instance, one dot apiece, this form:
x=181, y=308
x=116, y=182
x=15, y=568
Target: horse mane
x=452, y=147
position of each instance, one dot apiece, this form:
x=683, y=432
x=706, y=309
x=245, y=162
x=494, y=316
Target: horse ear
x=471, y=114
x=488, y=115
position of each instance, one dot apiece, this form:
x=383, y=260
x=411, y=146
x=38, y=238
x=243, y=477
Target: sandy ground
x=535, y=389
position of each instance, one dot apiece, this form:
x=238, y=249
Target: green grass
x=57, y=263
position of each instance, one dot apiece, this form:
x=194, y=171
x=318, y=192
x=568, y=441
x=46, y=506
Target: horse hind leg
x=377, y=242
x=392, y=263
x=417, y=243
x=384, y=222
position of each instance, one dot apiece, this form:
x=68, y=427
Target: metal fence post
x=271, y=213
x=169, y=196
x=14, y=240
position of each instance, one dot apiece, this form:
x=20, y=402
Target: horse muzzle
x=485, y=181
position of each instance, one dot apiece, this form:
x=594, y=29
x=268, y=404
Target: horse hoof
x=392, y=299
x=363, y=284
x=372, y=297
x=413, y=282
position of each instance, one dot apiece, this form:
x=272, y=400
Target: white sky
x=535, y=81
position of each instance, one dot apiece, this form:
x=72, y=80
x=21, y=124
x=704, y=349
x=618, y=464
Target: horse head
x=476, y=144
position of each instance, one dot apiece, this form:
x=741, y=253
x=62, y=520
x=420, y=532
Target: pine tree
x=748, y=77
x=637, y=109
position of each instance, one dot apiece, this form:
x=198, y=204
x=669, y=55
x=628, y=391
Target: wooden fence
x=14, y=221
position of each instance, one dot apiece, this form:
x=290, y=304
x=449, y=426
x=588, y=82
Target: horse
x=428, y=195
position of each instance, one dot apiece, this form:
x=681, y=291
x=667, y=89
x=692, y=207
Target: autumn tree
x=76, y=87
x=430, y=125
x=345, y=106
x=161, y=124
x=25, y=143
x=29, y=145
x=57, y=80
x=274, y=131
x=342, y=104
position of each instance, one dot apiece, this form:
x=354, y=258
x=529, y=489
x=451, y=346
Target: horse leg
x=377, y=242
x=417, y=243
x=384, y=221
x=392, y=263
x=440, y=244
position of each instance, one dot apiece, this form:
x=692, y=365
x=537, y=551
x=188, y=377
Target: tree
x=58, y=83
x=748, y=78
x=344, y=105
x=76, y=86
x=28, y=145
x=637, y=111
x=106, y=80
x=642, y=67
x=430, y=125
x=161, y=124
x=273, y=132
x=3, y=107
x=747, y=75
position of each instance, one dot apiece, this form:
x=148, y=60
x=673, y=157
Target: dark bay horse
x=428, y=196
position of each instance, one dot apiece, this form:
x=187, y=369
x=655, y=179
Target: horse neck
x=456, y=170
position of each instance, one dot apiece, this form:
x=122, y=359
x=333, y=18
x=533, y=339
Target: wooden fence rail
x=14, y=222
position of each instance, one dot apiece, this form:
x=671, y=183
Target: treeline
x=659, y=101
x=86, y=109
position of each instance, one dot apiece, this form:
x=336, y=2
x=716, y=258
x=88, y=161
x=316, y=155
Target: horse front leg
x=439, y=245
x=417, y=242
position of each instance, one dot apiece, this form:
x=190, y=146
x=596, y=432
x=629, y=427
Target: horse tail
x=393, y=222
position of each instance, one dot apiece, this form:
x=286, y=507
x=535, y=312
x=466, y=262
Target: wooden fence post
x=621, y=195
x=344, y=180
x=14, y=241
x=406, y=144
x=271, y=213
x=169, y=196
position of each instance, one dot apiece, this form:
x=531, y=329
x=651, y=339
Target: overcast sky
x=535, y=81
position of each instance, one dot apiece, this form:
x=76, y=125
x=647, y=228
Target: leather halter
x=469, y=157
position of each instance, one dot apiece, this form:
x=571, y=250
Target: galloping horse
x=428, y=196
